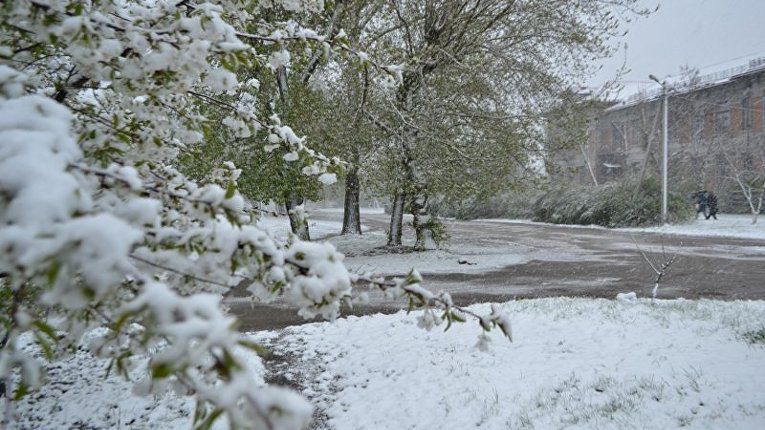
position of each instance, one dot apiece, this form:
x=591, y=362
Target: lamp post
x=665, y=151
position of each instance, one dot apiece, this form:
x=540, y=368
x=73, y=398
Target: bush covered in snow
x=510, y=204
x=611, y=205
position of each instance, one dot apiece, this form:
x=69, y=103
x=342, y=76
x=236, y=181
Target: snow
x=727, y=225
x=374, y=210
x=362, y=256
x=720, y=73
x=574, y=363
x=630, y=297
x=79, y=394
x=280, y=226
x=364, y=253
x=328, y=178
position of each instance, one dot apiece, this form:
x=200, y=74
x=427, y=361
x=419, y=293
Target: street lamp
x=664, y=150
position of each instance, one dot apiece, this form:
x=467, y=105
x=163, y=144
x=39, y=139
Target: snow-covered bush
x=98, y=229
x=610, y=205
x=513, y=203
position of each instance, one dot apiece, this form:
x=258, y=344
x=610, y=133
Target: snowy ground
x=280, y=226
x=727, y=225
x=78, y=394
x=575, y=363
x=363, y=253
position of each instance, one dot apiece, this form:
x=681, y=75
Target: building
x=714, y=120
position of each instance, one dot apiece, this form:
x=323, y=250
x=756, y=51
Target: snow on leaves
x=100, y=229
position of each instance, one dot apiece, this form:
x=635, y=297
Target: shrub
x=510, y=204
x=610, y=205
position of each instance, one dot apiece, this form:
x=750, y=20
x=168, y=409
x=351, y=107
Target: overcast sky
x=700, y=33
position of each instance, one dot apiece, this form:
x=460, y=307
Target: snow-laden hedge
x=610, y=205
x=510, y=204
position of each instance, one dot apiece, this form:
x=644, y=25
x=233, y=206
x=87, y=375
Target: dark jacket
x=700, y=198
x=712, y=203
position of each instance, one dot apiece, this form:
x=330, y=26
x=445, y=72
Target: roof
x=708, y=80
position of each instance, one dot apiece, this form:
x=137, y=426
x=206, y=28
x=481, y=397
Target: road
x=505, y=261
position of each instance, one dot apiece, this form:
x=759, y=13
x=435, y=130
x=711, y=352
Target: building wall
x=702, y=121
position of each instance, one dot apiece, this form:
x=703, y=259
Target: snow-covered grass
x=79, y=394
x=280, y=226
x=575, y=363
x=378, y=210
x=364, y=253
x=727, y=225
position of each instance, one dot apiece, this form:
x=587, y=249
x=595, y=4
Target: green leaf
x=199, y=412
x=45, y=345
x=209, y=421
x=230, y=190
x=259, y=349
x=45, y=328
x=21, y=391
x=52, y=272
x=121, y=321
x=161, y=370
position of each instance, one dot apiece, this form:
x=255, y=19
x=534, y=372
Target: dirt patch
x=259, y=317
x=691, y=277
x=289, y=369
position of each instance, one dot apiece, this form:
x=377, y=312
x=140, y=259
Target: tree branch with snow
x=99, y=229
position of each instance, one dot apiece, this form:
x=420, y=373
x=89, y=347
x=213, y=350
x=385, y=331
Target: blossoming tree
x=98, y=229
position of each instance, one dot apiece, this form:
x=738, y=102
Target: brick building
x=707, y=115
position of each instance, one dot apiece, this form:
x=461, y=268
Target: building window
x=697, y=127
x=746, y=113
x=722, y=121
x=618, y=136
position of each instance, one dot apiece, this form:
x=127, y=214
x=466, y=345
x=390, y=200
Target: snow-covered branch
x=100, y=229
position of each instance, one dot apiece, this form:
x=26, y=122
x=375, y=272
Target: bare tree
x=747, y=169
x=658, y=266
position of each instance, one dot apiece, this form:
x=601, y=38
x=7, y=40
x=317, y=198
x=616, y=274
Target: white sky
x=700, y=33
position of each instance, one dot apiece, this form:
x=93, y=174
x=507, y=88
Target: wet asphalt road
x=574, y=262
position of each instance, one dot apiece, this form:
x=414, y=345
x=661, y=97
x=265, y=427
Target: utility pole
x=665, y=150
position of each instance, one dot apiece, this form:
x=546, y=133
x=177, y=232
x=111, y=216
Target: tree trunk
x=419, y=233
x=759, y=203
x=298, y=220
x=589, y=166
x=756, y=210
x=351, y=212
x=396, y=219
x=418, y=211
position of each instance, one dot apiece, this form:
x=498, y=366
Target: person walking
x=712, y=205
x=701, y=203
